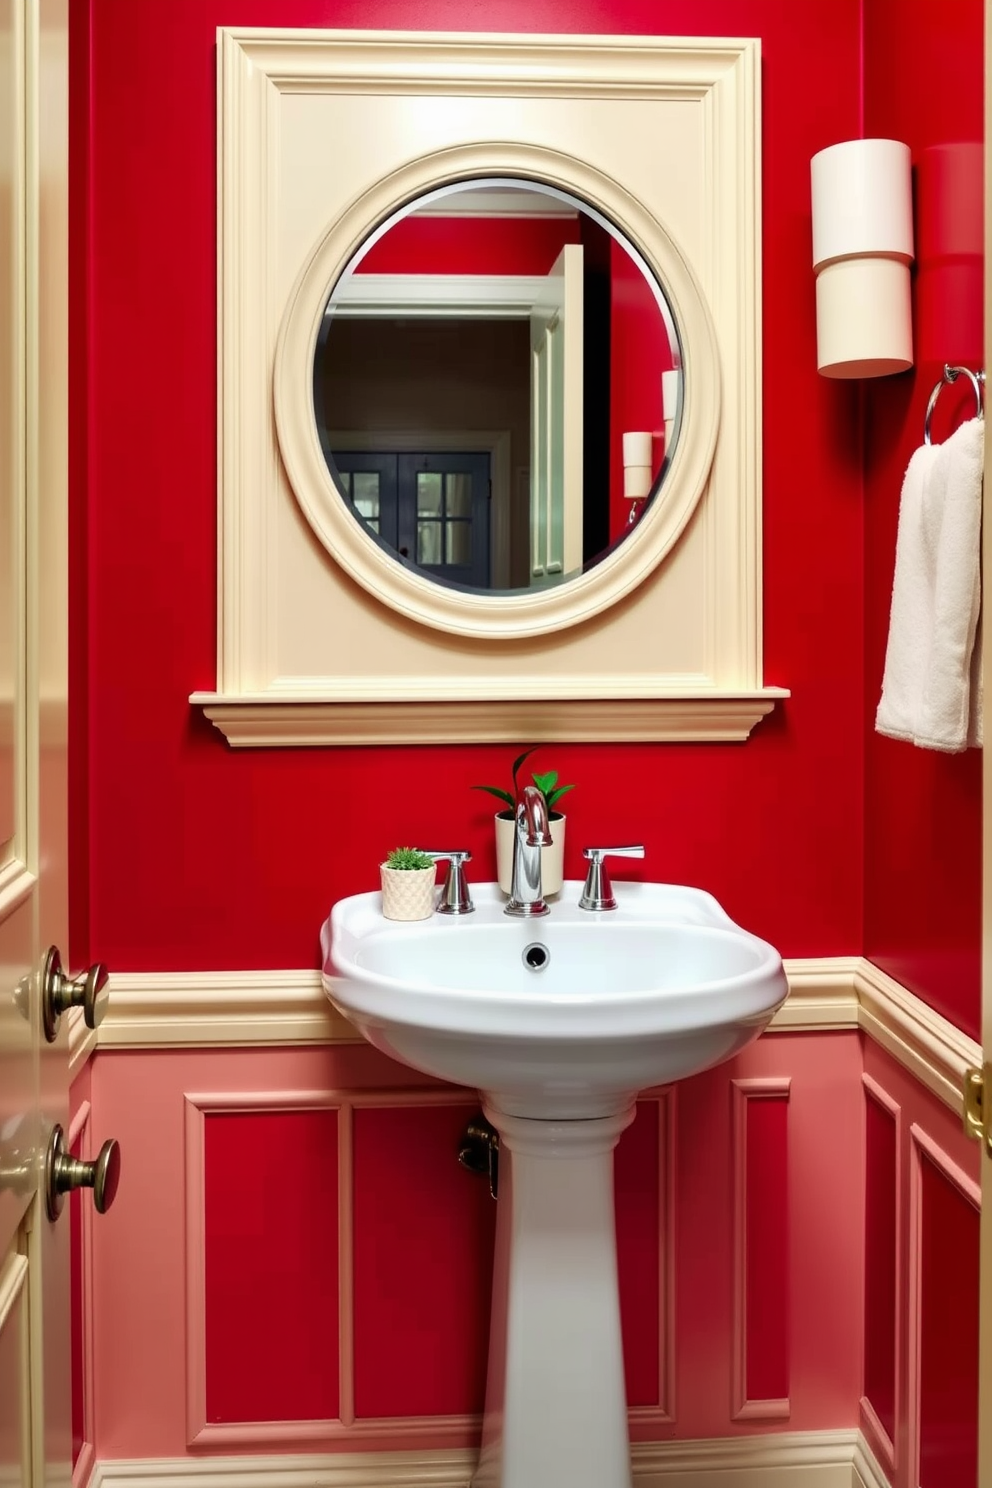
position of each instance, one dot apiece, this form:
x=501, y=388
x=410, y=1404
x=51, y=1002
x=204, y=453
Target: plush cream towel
x=975, y=730
x=910, y=617
x=930, y=694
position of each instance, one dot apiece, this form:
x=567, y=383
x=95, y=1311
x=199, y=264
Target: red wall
x=923, y=85
x=470, y=245
x=194, y=856
x=639, y=354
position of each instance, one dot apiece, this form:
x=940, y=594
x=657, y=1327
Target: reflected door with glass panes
x=433, y=508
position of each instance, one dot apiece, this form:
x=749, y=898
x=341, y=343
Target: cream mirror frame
x=322, y=638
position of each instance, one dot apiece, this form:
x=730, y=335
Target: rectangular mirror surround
x=305, y=655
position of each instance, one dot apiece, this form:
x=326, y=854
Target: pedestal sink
x=559, y=1022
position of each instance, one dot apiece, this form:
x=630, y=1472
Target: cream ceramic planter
x=552, y=858
x=407, y=893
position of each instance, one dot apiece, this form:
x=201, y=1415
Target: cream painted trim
x=867, y=1471
x=284, y=718
x=13, y=1279
x=926, y=1044
x=812, y=1459
x=215, y=1008
x=240, y=1008
x=822, y=995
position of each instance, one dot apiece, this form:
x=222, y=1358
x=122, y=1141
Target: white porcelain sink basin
x=559, y=1021
x=563, y=1017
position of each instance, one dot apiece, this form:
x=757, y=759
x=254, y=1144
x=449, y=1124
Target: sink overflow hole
x=536, y=956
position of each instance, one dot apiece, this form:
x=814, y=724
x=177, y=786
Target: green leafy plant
x=409, y=858
x=547, y=784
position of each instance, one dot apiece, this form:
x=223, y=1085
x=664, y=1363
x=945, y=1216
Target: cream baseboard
x=244, y=1008
x=816, y=1459
x=867, y=1470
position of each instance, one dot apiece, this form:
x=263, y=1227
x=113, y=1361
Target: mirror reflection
x=495, y=386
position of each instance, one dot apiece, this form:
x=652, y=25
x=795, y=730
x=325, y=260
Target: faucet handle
x=598, y=891
x=455, y=898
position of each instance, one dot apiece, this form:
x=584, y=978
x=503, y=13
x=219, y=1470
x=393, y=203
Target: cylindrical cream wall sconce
x=637, y=465
x=862, y=250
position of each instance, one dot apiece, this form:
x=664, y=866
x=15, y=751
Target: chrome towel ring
x=951, y=374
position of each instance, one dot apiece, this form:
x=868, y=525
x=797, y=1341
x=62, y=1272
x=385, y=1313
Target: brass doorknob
x=59, y=993
x=63, y=1173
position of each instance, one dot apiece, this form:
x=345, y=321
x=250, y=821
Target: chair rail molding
x=216, y=1009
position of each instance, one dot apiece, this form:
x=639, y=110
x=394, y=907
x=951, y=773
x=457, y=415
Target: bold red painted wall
x=922, y=809
x=470, y=245
x=199, y=857
x=639, y=354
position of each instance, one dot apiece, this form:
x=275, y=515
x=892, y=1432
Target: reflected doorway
x=431, y=507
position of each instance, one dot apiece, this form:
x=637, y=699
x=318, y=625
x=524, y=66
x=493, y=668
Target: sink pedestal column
x=556, y=1411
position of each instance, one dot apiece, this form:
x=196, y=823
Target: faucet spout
x=532, y=832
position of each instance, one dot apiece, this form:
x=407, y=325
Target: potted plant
x=553, y=857
x=407, y=884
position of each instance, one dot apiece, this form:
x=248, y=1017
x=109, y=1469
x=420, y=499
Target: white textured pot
x=552, y=858
x=407, y=893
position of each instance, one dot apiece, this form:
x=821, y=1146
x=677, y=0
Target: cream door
x=34, y=1303
x=556, y=339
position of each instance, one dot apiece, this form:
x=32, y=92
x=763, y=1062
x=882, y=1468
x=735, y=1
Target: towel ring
x=951, y=374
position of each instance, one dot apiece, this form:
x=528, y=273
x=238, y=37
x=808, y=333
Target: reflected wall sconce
x=862, y=250
x=637, y=465
x=637, y=468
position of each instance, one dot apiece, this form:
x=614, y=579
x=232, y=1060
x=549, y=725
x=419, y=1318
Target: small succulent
x=409, y=858
x=547, y=784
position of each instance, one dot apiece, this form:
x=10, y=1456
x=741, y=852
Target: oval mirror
x=496, y=386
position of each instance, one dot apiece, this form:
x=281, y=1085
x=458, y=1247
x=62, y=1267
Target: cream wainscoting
x=816, y=1459
x=219, y=1010
x=215, y=1009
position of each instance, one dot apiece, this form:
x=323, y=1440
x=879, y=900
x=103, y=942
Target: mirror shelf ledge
x=279, y=719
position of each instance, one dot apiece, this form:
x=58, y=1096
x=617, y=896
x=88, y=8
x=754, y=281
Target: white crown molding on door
x=213, y=1009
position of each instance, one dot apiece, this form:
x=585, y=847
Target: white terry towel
x=929, y=696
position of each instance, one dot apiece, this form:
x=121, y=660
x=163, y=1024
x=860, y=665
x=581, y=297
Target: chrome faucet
x=531, y=833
